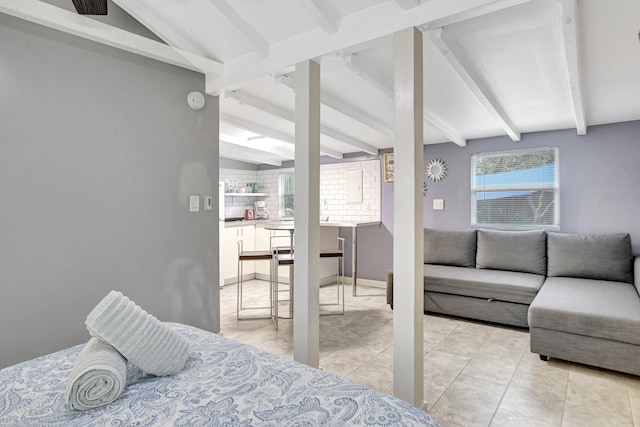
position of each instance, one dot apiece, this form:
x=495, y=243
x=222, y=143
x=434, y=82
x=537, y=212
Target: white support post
x=306, y=299
x=408, y=223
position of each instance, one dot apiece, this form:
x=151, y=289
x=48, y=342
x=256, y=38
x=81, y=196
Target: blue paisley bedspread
x=224, y=383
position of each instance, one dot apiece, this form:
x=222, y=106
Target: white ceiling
x=491, y=67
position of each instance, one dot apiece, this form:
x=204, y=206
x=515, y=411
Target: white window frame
x=284, y=213
x=522, y=187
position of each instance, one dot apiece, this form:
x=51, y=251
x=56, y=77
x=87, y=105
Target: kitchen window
x=286, y=195
x=515, y=189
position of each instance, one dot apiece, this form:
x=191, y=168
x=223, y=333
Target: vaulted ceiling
x=491, y=67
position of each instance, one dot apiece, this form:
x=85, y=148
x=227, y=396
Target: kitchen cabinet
x=231, y=237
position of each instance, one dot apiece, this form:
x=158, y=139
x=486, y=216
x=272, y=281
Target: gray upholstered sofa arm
x=390, y=288
x=636, y=273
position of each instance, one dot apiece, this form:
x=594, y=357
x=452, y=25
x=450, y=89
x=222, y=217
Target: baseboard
x=367, y=282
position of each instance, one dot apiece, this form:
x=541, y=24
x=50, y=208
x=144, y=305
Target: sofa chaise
x=588, y=309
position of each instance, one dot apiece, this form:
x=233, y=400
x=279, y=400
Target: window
x=286, y=194
x=515, y=188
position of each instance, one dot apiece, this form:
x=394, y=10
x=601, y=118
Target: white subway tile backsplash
x=332, y=191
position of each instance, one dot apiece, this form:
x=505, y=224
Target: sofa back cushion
x=523, y=251
x=444, y=247
x=591, y=256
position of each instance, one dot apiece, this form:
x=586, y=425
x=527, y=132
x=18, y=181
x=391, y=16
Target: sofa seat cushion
x=593, y=308
x=480, y=283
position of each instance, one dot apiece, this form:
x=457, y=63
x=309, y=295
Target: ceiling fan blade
x=91, y=7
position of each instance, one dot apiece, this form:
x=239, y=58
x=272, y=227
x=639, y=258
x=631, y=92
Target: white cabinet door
x=232, y=235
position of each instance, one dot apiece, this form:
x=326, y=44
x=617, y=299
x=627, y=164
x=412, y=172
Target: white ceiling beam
x=233, y=151
x=408, y=4
x=270, y=133
x=167, y=32
x=69, y=22
x=253, y=143
x=290, y=116
x=371, y=23
x=470, y=13
x=244, y=29
x=322, y=13
x=447, y=130
x=365, y=72
x=255, y=128
x=343, y=108
x=570, y=31
x=475, y=83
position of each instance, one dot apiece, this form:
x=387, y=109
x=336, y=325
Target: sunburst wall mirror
x=436, y=170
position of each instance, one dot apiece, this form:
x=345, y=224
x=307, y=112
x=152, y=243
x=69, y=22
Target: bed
x=224, y=383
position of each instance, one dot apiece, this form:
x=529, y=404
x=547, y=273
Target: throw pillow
x=591, y=256
x=523, y=251
x=446, y=247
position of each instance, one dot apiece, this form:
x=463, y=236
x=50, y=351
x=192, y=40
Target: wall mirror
x=436, y=170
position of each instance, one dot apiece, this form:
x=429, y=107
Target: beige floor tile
x=495, y=368
x=373, y=375
x=433, y=337
x=441, y=368
x=345, y=335
x=431, y=396
x=328, y=347
x=633, y=385
x=596, y=397
x=504, y=418
x=463, y=343
x=385, y=358
x=543, y=403
x=341, y=366
x=476, y=328
x=506, y=344
x=468, y=402
x=535, y=372
x=275, y=347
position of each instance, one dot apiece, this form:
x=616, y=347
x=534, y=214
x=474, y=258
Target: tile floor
x=475, y=374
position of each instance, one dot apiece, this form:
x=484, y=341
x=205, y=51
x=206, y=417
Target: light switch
x=438, y=204
x=208, y=203
x=194, y=203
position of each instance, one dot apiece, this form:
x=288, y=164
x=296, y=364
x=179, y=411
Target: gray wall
x=599, y=187
x=98, y=154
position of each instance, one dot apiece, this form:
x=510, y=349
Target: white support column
x=306, y=309
x=408, y=235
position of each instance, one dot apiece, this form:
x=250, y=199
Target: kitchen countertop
x=275, y=222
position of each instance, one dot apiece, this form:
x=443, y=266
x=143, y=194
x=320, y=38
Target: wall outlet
x=194, y=203
x=438, y=204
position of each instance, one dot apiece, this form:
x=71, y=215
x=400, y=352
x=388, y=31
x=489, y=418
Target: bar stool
x=339, y=254
x=243, y=255
x=284, y=256
x=280, y=256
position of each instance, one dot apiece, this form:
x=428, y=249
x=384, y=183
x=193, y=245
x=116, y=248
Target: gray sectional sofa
x=577, y=293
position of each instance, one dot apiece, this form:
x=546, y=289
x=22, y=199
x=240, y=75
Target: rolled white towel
x=145, y=341
x=98, y=377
